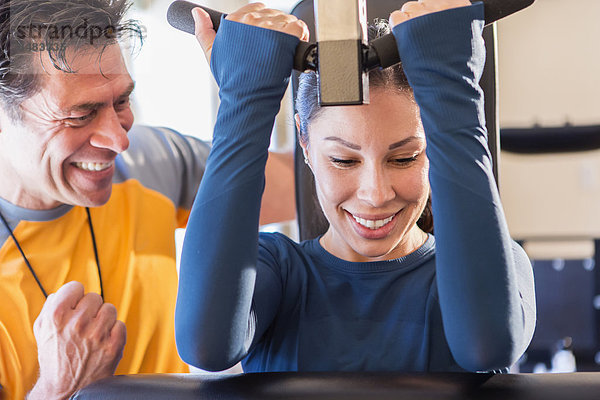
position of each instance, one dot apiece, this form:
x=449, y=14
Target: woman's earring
x=306, y=160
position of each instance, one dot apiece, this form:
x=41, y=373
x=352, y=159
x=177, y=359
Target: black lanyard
x=89, y=218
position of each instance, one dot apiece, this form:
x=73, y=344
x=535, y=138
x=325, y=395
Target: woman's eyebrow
x=404, y=141
x=357, y=147
x=343, y=142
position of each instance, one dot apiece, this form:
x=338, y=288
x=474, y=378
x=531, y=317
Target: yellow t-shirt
x=135, y=239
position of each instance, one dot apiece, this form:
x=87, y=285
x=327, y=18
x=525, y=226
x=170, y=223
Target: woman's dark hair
x=391, y=78
x=29, y=28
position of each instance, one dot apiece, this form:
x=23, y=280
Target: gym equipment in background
x=342, y=55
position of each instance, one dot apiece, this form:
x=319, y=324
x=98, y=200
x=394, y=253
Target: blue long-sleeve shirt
x=464, y=300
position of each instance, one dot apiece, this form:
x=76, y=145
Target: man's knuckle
x=57, y=314
x=120, y=330
x=110, y=308
x=37, y=325
x=78, y=325
x=115, y=349
x=95, y=337
x=92, y=302
x=107, y=313
x=95, y=297
x=70, y=289
x=99, y=335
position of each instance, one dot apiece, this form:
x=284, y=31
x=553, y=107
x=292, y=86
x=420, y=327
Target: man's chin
x=97, y=199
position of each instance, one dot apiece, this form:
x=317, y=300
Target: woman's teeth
x=373, y=224
x=92, y=166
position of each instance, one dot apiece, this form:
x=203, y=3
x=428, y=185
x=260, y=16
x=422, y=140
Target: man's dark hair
x=29, y=28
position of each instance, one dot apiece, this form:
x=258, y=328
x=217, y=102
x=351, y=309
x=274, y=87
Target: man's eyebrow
x=343, y=142
x=127, y=92
x=403, y=142
x=95, y=105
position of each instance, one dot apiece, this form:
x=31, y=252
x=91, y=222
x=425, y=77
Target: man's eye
x=81, y=120
x=122, y=104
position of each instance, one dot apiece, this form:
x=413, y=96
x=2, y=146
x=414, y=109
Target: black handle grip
x=496, y=9
x=384, y=51
x=179, y=15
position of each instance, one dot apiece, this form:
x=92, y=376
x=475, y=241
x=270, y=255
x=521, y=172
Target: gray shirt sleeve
x=162, y=159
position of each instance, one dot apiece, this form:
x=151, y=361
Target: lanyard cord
x=89, y=218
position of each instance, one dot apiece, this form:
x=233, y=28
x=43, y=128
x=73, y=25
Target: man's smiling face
x=63, y=148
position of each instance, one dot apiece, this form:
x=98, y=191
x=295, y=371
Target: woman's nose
x=375, y=187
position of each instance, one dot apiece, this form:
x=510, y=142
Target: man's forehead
x=87, y=60
x=99, y=73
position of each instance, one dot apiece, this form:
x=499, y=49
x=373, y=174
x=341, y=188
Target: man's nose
x=110, y=132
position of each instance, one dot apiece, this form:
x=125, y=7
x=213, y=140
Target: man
x=88, y=204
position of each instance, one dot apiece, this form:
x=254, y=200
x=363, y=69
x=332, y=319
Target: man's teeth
x=373, y=224
x=92, y=166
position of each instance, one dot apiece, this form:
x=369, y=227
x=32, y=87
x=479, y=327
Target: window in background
x=174, y=86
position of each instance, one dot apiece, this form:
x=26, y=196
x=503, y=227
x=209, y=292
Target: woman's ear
x=306, y=160
x=303, y=143
x=297, y=121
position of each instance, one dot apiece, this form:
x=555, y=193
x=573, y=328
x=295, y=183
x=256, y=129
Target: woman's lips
x=373, y=227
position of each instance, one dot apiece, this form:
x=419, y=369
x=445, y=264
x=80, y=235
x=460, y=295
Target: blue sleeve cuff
x=446, y=36
x=267, y=55
x=443, y=55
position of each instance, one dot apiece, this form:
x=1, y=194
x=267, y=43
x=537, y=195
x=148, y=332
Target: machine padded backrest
x=346, y=386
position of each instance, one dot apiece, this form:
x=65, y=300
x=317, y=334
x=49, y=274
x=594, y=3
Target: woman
x=375, y=292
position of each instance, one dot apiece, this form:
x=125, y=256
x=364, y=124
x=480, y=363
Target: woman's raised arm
x=214, y=324
x=484, y=279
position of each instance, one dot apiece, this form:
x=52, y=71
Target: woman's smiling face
x=371, y=176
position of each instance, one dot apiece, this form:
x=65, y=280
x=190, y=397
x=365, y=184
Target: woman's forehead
x=389, y=115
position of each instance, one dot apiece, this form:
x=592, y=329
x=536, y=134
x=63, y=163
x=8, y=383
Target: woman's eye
x=404, y=161
x=342, y=162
